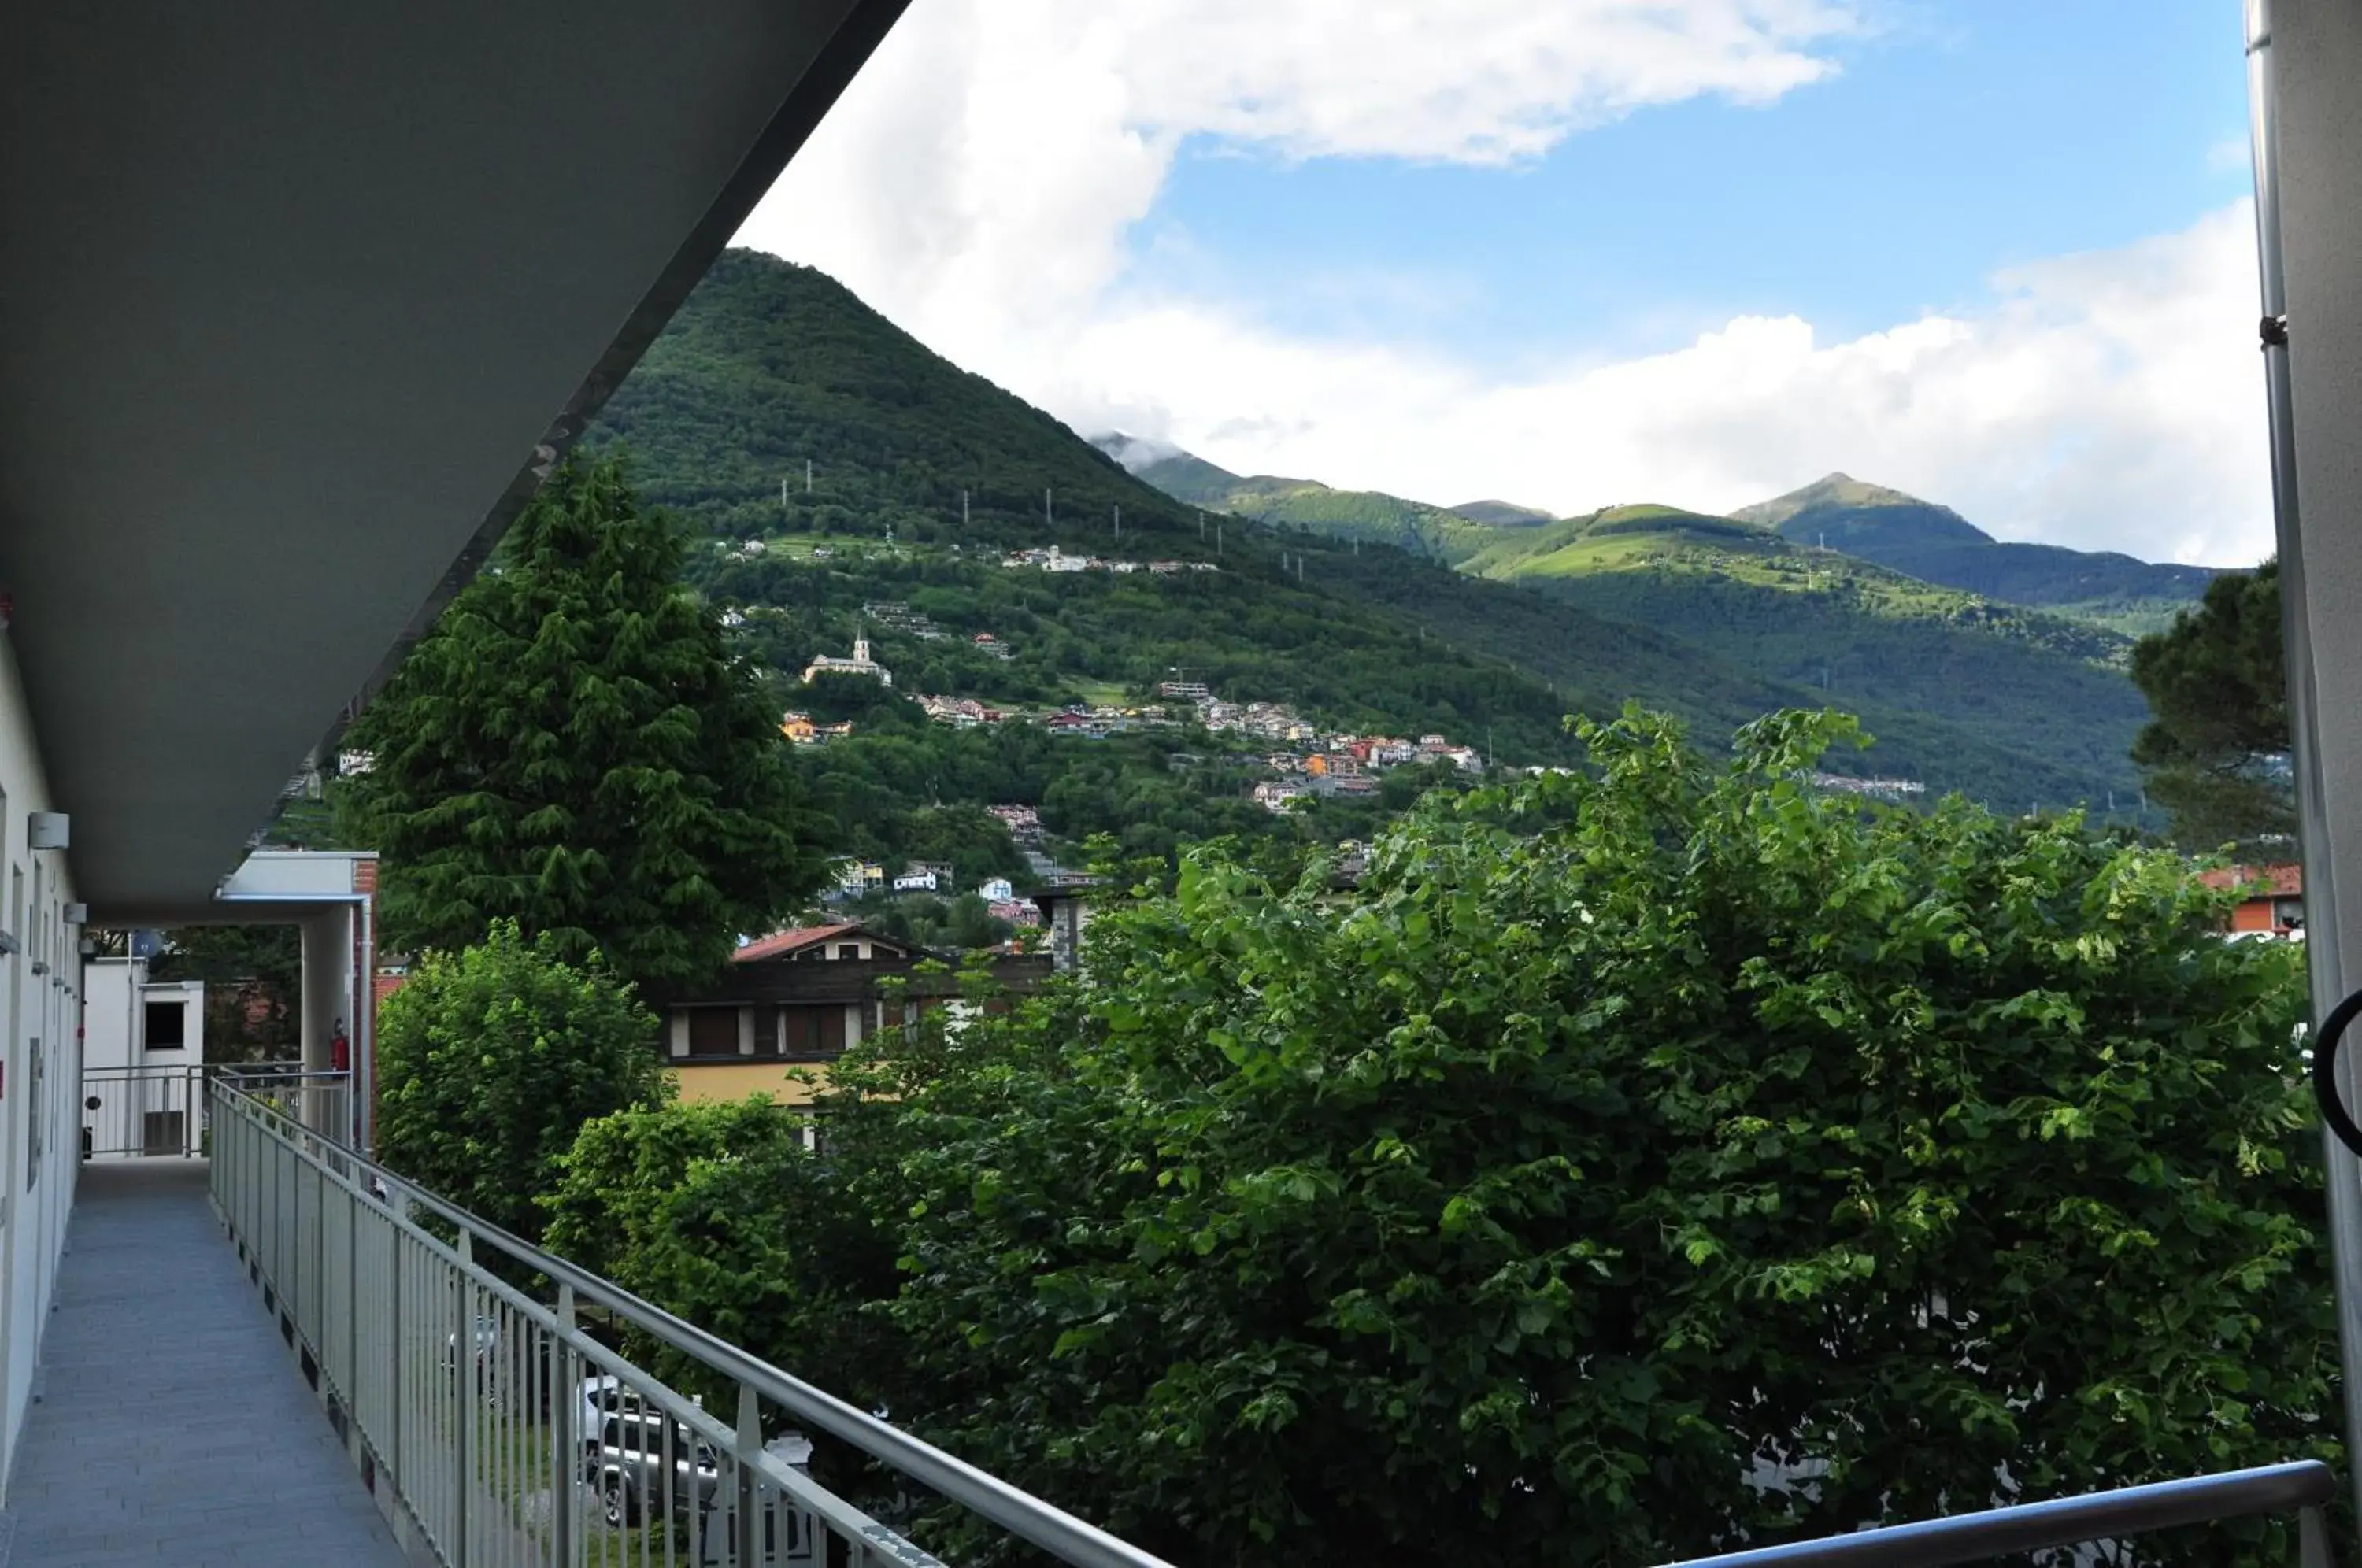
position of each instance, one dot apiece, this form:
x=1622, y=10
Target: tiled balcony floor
x=173, y=1426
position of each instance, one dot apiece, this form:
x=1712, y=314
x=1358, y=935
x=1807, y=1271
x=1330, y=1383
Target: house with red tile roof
x=2271, y=898
x=795, y=1000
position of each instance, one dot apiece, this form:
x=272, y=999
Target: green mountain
x=1901, y=651
x=1499, y=514
x=1937, y=545
x=1863, y=635
x=922, y=476
x=1444, y=533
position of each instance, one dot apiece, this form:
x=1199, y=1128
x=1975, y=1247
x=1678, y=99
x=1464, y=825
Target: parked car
x=645, y=1464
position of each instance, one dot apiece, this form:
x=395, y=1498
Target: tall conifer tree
x=572, y=747
x=2216, y=753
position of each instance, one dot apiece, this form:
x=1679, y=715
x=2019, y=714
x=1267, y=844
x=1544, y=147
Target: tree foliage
x=569, y=747
x=1623, y=1140
x=2216, y=750
x=253, y=980
x=489, y=1060
x=720, y=1213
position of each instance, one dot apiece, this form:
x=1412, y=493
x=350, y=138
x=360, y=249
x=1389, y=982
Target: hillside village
x=1308, y=760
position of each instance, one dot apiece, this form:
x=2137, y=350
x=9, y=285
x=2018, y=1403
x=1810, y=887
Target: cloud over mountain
x=979, y=182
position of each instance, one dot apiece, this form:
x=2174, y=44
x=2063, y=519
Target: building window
x=167, y=1025
x=713, y=1032
x=801, y=1037
x=2288, y=914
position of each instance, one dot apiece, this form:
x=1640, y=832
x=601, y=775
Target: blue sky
x=1959, y=138
x=1991, y=251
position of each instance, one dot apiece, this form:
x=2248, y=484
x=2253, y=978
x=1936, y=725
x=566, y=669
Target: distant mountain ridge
x=1840, y=624
x=921, y=476
x=1936, y=544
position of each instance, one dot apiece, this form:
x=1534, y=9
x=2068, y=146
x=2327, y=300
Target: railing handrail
x=276, y=1072
x=2060, y=1522
x=1045, y=1525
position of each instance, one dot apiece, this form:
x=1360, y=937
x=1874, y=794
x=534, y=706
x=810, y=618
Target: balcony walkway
x=174, y=1425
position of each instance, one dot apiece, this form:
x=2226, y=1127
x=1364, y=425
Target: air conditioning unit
x=77, y=915
x=48, y=829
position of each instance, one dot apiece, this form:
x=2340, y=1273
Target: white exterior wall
x=39, y=1086
x=110, y=1027
x=117, y=995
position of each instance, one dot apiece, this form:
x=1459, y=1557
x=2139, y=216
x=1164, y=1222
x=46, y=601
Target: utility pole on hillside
x=807, y=476
x=963, y=512
x=1201, y=527
x=1049, y=509
x=1119, y=525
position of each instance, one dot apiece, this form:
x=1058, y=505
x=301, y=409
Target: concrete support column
x=328, y=1000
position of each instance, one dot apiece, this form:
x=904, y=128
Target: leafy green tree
x=569, y=747
x=490, y=1059
x=720, y=1213
x=253, y=980
x=2215, y=753
x=1622, y=1140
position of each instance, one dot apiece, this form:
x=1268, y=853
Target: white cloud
x=977, y=179
x=977, y=182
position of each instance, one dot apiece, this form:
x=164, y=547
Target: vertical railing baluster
x=564, y=1439
x=2312, y=1540
x=463, y=1355
x=352, y=1365
x=750, y=1445
x=394, y=1366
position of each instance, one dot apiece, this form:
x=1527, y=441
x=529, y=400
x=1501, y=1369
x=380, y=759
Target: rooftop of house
x=793, y=940
x=2285, y=880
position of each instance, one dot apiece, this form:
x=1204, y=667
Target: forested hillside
x=1776, y=608
x=921, y=478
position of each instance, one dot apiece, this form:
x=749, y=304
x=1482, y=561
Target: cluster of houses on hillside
x=1055, y=559
x=800, y=727
x=1346, y=766
x=859, y=879
x=1871, y=788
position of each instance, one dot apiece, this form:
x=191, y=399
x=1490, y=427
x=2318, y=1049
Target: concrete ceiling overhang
x=297, y=302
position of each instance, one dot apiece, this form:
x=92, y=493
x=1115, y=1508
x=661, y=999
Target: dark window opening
x=713, y=1032
x=168, y=1023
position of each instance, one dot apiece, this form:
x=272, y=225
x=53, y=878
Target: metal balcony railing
x=162, y=1111
x=510, y=1437
x=2303, y=1488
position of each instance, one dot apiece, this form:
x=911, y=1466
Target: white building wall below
x=40, y=1058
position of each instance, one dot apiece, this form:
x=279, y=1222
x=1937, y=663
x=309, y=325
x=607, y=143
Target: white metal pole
x=2343, y=1170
